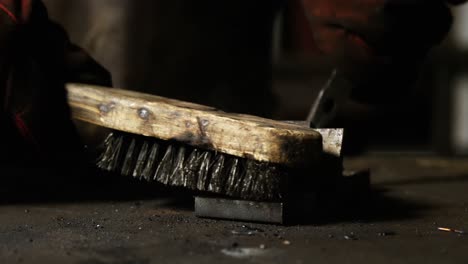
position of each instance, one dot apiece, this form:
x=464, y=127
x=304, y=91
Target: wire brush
x=187, y=145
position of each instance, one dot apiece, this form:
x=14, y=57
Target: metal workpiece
x=280, y=213
x=305, y=198
x=297, y=207
x=249, y=211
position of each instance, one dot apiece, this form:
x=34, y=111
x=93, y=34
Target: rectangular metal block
x=239, y=210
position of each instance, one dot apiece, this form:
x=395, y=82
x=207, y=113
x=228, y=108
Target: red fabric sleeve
x=12, y=14
x=36, y=59
x=18, y=11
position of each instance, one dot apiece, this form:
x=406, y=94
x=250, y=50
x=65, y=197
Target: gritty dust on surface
x=126, y=232
x=122, y=232
x=402, y=226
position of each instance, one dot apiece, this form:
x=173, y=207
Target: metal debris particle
x=446, y=229
x=350, y=237
x=247, y=231
x=242, y=253
x=384, y=234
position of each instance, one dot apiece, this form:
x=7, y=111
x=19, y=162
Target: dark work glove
x=37, y=59
x=379, y=44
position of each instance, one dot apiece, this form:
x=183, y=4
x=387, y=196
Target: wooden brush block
x=197, y=125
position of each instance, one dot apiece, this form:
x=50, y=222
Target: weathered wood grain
x=202, y=126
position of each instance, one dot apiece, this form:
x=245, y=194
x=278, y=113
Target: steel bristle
x=179, y=165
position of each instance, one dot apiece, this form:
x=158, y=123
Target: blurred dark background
x=258, y=57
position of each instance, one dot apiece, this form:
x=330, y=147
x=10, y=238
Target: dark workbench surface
x=414, y=196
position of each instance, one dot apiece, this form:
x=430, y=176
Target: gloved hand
x=36, y=60
x=380, y=44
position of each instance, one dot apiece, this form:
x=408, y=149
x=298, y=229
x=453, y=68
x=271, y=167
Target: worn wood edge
x=332, y=140
x=201, y=126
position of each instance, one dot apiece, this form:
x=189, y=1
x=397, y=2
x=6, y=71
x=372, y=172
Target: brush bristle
x=175, y=164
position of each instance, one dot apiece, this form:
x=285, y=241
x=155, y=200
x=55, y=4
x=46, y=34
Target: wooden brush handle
x=197, y=125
